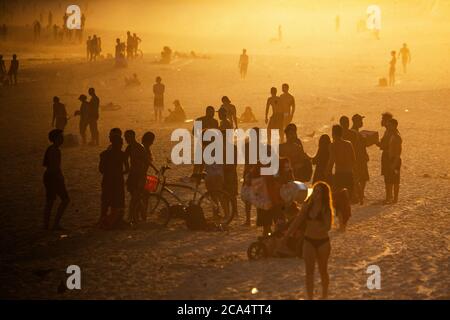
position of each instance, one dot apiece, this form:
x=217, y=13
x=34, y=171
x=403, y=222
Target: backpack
x=195, y=218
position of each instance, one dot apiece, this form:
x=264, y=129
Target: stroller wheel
x=257, y=251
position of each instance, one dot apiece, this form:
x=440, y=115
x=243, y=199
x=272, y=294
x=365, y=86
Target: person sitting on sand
x=13, y=70
x=247, y=116
x=132, y=81
x=177, y=115
x=342, y=157
x=392, y=179
x=54, y=180
x=59, y=118
x=137, y=174
x=83, y=113
x=112, y=166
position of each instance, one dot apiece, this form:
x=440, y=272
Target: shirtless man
x=287, y=104
x=243, y=63
x=231, y=111
x=405, y=54
x=392, y=179
x=158, y=101
x=276, y=120
x=292, y=149
x=342, y=157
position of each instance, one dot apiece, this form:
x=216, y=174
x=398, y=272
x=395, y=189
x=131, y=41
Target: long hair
x=327, y=198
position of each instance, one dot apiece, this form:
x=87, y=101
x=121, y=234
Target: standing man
x=231, y=111
x=93, y=115
x=59, y=119
x=287, y=105
x=392, y=179
x=13, y=69
x=276, y=119
x=362, y=157
x=83, y=113
x=384, y=146
x=243, y=63
x=158, y=101
x=406, y=56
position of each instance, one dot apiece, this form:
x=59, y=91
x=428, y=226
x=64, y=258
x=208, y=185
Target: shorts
x=276, y=122
x=343, y=180
x=55, y=186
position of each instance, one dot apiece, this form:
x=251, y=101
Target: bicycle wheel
x=217, y=207
x=157, y=209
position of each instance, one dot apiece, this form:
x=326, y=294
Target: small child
x=54, y=179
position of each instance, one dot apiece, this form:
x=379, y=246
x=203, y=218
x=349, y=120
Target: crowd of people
x=93, y=47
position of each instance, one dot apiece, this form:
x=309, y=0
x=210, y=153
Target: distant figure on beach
x=93, y=115
x=158, y=100
x=317, y=212
x=392, y=65
x=405, y=54
x=166, y=55
x=362, y=158
x=247, y=116
x=88, y=48
x=54, y=180
x=119, y=54
x=36, y=30
x=136, y=42
x=277, y=118
x=130, y=45
x=337, y=23
x=342, y=157
x=243, y=64
x=59, y=118
x=384, y=147
x=231, y=111
x=321, y=159
x=138, y=165
x=132, y=81
x=392, y=179
x=13, y=70
x=50, y=20
x=112, y=166
x=2, y=70
x=287, y=104
x=177, y=115
x=83, y=113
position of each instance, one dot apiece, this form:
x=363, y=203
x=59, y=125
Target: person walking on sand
x=392, y=179
x=287, y=105
x=243, y=64
x=405, y=54
x=392, y=65
x=93, y=116
x=158, y=101
x=276, y=119
x=13, y=70
x=54, y=180
x=83, y=113
x=59, y=118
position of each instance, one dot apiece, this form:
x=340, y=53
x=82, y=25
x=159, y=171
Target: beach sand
x=409, y=241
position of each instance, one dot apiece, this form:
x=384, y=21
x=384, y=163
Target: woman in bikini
x=318, y=213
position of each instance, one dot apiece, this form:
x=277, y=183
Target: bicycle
x=216, y=204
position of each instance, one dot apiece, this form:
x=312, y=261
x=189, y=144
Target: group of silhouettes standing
x=9, y=76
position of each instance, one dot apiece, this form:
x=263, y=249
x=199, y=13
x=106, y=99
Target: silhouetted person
x=208, y=121
x=93, y=115
x=277, y=118
x=247, y=116
x=2, y=70
x=321, y=159
x=243, y=63
x=50, y=20
x=137, y=174
x=287, y=104
x=136, y=42
x=405, y=54
x=361, y=168
x=37, y=30
x=59, y=118
x=158, y=101
x=342, y=157
x=384, y=146
x=119, y=54
x=147, y=140
x=56, y=32
x=292, y=149
x=54, y=180
x=83, y=113
x=231, y=111
x=112, y=166
x=392, y=179
x=13, y=70
x=89, y=48
x=392, y=65
x=177, y=115
x=224, y=122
